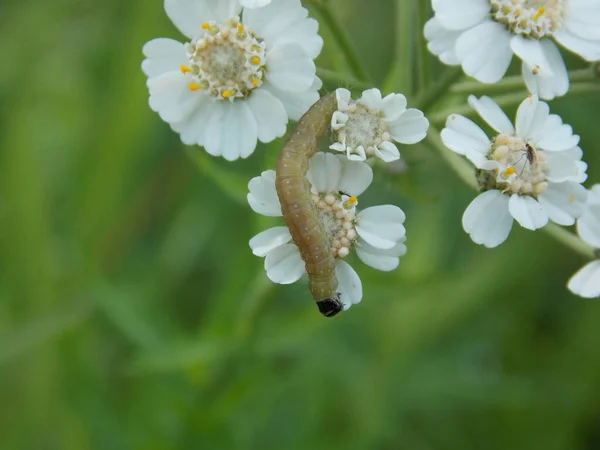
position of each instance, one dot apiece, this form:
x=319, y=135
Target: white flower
x=254, y=3
x=530, y=173
x=366, y=127
x=235, y=81
x=376, y=233
x=586, y=282
x=483, y=35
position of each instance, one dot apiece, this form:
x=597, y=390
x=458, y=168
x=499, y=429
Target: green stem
x=338, y=78
x=432, y=95
x=343, y=40
x=514, y=82
x=466, y=110
x=403, y=70
x=465, y=172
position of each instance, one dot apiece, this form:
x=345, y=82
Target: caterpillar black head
x=329, y=307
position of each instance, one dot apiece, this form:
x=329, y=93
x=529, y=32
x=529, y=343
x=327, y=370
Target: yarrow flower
x=482, y=35
x=586, y=282
x=377, y=234
x=530, y=173
x=236, y=80
x=367, y=127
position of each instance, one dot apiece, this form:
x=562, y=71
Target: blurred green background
x=134, y=316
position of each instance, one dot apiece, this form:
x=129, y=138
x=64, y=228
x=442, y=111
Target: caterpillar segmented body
x=298, y=209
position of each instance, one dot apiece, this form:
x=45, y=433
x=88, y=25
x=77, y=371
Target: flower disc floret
x=535, y=19
x=228, y=61
x=366, y=127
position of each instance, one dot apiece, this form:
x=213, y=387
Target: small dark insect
x=530, y=152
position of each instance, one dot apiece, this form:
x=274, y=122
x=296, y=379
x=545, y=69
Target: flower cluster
x=531, y=173
x=235, y=81
x=376, y=233
x=483, y=35
x=247, y=67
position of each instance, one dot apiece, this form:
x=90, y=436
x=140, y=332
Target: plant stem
x=432, y=95
x=343, y=40
x=341, y=78
x=514, y=82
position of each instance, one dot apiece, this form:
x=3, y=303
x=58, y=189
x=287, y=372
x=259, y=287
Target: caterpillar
x=298, y=209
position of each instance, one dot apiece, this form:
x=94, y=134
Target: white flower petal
x=371, y=98
x=192, y=129
x=527, y=211
x=487, y=220
x=264, y=242
x=410, y=127
x=380, y=259
x=492, y=114
x=188, y=15
x=387, y=152
x=295, y=103
x=355, y=176
x=393, y=106
x=562, y=167
x=531, y=52
x=269, y=114
x=547, y=86
x=163, y=55
x=263, y=196
x=343, y=97
x=381, y=226
x=171, y=97
x=468, y=136
x=254, y=3
x=442, y=41
x=558, y=138
x=586, y=282
x=588, y=225
x=461, y=14
x=324, y=172
x=587, y=49
x=285, y=21
x=284, y=264
x=564, y=202
x=463, y=140
x=290, y=68
x=232, y=131
x=349, y=284
x=338, y=120
x=531, y=117
x=484, y=51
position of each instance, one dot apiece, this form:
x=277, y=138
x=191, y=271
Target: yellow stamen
x=539, y=14
x=571, y=198
x=226, y=94
x=255, y=82
x=194, y=86
x=509, y=171
x=255, y=60
x=185, y=69
x=350, y=202
x=206, y=26
x=240, y=28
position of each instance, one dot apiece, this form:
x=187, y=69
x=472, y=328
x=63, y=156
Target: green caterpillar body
x=299, y=210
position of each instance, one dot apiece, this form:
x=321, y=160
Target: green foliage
x=134, y=316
